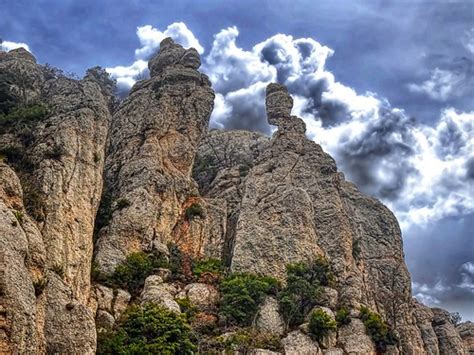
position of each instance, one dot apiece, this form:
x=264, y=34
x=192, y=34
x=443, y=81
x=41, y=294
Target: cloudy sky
x=388, y=90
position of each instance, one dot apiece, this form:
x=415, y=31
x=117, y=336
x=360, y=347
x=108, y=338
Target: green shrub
x=187, y=307
x=377, y=329
x=33, y=112
x=176, y=259
x=195, y=210
x=150, y=329
x=342, y=316
x=13, y=154
x=242, y=294
x=132, y=273
x=122, y=203
x=19, y=216
x=303, y=289
x=320, y=324
x=40, y=285
x=208, y=265
x=247, y=339
x=59, y=270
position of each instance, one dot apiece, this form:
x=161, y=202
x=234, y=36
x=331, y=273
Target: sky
x=387, y=88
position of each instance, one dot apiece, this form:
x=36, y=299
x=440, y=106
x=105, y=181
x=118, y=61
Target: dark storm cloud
x=361, y=157
x=245, y=106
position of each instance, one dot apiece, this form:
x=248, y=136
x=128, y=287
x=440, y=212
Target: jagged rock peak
x=20, y=53
x=171, y=53
x=278, y=104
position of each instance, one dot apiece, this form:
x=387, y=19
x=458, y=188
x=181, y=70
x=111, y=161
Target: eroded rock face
x=21, y=263
x=353, y=339
x=293, y=205
x=153, y=139
x=449, y=341
x=54, y=193
x=466, y=332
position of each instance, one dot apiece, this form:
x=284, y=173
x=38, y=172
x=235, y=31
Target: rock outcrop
x=291, y=204
x=466, y=332
x=147, y=176
x=153, y=139
x=53, y=136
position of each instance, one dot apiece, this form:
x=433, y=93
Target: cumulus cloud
x=150, y=39
x=8, y=46
x=469, y=40
x=467, y=274
x=423, y=173
x=444, y=84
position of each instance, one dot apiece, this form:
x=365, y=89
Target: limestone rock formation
x=53, y=136
x=167, y=186
x=466, y=332
x=291, y=204
x=154, y=135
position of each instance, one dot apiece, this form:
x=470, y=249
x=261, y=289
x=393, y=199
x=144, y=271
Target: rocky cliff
x=105, y=208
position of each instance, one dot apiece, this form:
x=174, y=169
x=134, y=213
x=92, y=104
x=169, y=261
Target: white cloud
x=442, y=85
x=150, y=39
x=232, y=68
x=8, y=46
x=469, y=40
x=467, y=276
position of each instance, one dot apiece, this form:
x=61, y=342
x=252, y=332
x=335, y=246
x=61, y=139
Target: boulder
x=155, y=291
x=297, y=343
x=269, y=319
x=353, y=339
x=203, y=296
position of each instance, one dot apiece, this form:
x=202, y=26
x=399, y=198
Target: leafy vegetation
x=131, y=274
x=40, y=285
x=175, y=260
x=377, y=329
x=22, y=118
x=342, y=316
x=303, y=289
x=247, y=339
x=320, y=324
x=187, y=307
x=19, y=216
x=242, y=294
x=59, y=270
x=150, y=329
x=195, y=210
x=207, y=266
